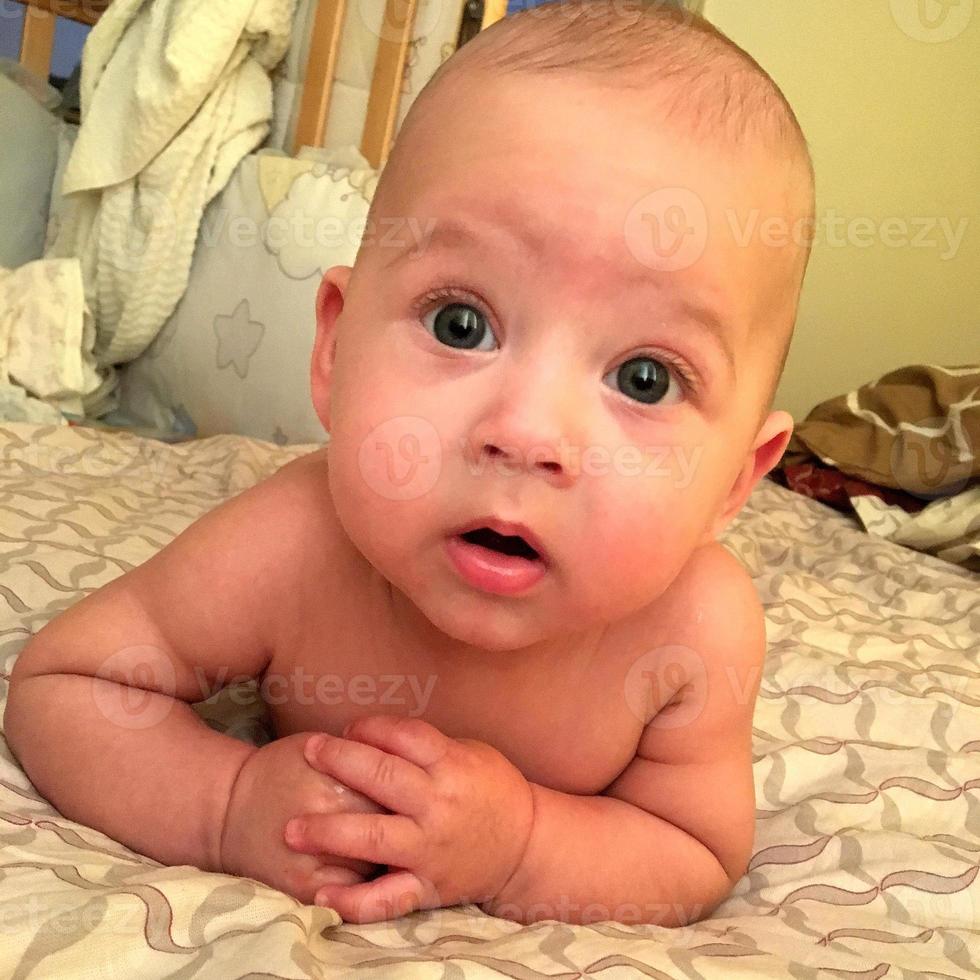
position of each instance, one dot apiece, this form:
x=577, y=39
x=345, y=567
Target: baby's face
x=515, y=350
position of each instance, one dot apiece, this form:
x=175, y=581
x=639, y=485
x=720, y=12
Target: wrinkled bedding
x=911, y=437
x=866, y=762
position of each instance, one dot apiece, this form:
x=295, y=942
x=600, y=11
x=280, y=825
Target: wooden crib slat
x=311, y=123
x=493, y=10
x=83, y=11
x=386, y=83
x=37, y=42
x=40, y=19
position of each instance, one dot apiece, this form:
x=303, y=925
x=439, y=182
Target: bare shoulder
x=725, y=615
x=299, y=492
x=693, y=762
x=287, y=523
x=299, y=497
x=711, y=627
x=210, y=602
x=236, y=575
x=311, y=548
x=712, y=591
x=277, y=519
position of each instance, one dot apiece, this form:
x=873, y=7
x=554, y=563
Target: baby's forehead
x=605, y=199
x=493, y=112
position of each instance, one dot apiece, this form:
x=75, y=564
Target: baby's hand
x=458, y=823
x=275, y=784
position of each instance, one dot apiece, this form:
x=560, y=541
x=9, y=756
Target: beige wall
x=893, y=123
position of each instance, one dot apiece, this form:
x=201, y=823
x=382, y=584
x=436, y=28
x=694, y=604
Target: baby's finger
x=332, y=874
x=411, y=738
x=387, y=779
x=387, y=897
x=378, y=838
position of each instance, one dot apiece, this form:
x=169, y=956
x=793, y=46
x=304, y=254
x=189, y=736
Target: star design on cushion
x=238, y=339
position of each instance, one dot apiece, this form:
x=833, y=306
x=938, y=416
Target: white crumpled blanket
x=46, y=337
x=174, y=94
x=948, y=528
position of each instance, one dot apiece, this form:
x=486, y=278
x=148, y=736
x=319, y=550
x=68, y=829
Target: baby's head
x=664, y=72
x=570, y=310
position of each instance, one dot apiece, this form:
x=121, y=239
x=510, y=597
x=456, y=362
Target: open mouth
x=507, y=544
x=493, y=562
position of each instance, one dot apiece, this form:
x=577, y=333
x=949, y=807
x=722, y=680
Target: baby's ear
x=329, y=305
x=766, y=452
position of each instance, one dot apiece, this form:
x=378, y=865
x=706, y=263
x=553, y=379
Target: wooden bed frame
x=37, y=43
x=40, y=17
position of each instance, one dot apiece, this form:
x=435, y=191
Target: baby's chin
x=483, y=623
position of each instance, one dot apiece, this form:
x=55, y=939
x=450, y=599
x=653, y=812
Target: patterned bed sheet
x=866, y=762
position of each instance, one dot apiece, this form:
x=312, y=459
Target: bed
x=866, y=734
x=865, y=762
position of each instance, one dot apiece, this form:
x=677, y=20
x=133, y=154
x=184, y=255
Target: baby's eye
x=644, y=379
x=458, y=325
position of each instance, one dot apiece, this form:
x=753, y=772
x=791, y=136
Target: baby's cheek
x=634, y=558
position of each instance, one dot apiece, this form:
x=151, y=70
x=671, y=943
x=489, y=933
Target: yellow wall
x=893, y=123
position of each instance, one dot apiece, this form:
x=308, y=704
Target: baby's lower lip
x=493, y=571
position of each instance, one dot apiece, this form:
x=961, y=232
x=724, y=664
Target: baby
x=506, y=659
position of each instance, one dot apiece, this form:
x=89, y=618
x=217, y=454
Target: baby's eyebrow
x=452, y=232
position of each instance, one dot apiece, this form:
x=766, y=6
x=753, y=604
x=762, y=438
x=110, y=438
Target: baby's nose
x=520, y=438
x=539, y=458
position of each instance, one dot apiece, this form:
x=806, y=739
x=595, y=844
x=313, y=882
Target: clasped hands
x=459, y=820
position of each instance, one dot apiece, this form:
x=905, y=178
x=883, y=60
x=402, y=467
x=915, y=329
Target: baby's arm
x=668, y=840
x=98, y=711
